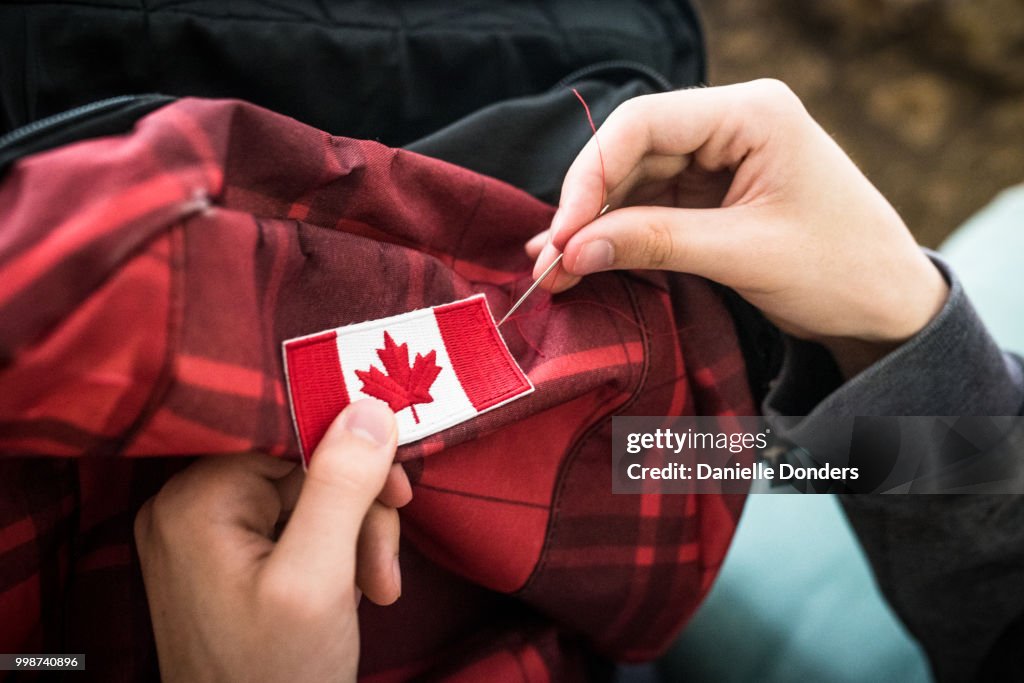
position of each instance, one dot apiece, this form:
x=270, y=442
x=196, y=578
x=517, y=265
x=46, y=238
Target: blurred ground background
x=927, y=96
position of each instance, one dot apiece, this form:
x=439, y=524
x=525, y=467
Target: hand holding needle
x=536, y=283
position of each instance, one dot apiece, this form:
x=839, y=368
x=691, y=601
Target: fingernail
x=538, y=240
x=594, y=256
x=396, y=569
x=553, y=228
x=370, y=420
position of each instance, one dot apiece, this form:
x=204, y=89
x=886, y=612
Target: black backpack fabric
x=394, y=72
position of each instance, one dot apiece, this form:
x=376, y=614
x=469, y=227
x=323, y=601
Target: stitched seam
x=551, y=531
x=175, y=327
x=477, y=496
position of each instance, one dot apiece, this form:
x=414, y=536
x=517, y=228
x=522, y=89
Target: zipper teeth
x=626, y=64
x=36, y=126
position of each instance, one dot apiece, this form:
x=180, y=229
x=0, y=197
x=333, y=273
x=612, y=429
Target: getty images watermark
x=840, y=455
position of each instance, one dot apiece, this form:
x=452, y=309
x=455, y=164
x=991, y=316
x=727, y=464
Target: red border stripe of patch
x=485, y=368
x=313, y=365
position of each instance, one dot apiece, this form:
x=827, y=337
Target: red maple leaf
x=400, y=385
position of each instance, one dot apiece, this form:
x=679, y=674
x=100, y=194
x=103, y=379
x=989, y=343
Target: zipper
x=29, y=129
x=616, y=65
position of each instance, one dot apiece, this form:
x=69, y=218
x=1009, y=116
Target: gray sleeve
x=952, y=567
x=952, y=367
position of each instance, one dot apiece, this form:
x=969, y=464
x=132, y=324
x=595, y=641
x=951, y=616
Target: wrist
x=911, y=305
x=901, y=315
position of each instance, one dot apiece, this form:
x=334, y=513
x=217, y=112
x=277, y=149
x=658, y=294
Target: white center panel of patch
x=357, y=350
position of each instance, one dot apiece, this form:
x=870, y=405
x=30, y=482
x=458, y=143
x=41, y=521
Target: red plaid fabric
x=146, y=284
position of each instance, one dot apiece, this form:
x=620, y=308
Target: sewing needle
x=536, y=283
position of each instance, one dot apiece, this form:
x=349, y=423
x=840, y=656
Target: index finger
x=712, y=125
x=215, y=503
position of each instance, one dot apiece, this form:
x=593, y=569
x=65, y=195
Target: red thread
x=530, y=344
x=605, y=307
x=597, y=141
x=541, y=308
x=549, y=305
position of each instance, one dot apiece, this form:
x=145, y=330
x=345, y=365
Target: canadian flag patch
x=434, y=367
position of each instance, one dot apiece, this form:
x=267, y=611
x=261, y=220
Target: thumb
x=346, y=473
x=713, y=243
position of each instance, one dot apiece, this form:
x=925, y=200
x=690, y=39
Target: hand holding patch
x=461, y=369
